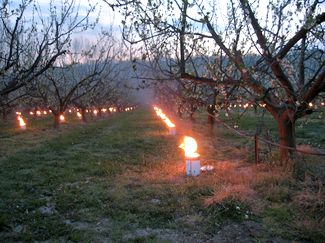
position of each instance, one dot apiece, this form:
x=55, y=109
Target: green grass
x=109, y=178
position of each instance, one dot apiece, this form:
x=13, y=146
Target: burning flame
x=22, y=123
x=169, y=123
x=189, y=145
x=62, y=119
x=163, y=117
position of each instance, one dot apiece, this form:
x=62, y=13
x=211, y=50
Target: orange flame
x=189, y=145
x=169, y=123
x=22, y=123
x=163, y=117
x=62, y=119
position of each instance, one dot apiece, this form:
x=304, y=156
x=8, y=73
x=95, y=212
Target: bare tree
x=75, y=75
x=273, y=54
x=31, y=39
x=102, y=95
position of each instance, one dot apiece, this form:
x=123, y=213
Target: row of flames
x=162, y=115
x=189, y=145
x=95, y=112
x=247, y=105
x=22, y=123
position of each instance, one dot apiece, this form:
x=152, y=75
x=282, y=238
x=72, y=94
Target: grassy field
x=121, y=179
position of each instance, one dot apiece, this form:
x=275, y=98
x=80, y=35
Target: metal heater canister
x=192, y=166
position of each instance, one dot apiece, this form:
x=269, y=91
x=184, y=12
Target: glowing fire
x=189, y=146
x=22, y=123
x=164, y=117
x=62, y=119
x=169, y=123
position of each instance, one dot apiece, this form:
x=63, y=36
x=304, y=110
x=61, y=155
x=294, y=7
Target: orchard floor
x=121, y=178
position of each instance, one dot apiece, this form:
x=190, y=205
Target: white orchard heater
x=192, y=158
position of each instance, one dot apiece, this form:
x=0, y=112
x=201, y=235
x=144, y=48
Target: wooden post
x=256, y=148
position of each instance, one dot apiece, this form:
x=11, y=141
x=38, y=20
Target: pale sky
x=107, y=16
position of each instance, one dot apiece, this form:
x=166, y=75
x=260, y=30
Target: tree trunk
x=192, y=117
x=56, y=120
x=4, y=116
x=286, y=131
x=99, y=112
x=83, y=114
x=179, y=111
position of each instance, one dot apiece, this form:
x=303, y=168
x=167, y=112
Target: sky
x=107, y=17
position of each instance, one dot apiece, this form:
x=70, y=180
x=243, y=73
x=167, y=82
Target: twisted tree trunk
x=286, y=131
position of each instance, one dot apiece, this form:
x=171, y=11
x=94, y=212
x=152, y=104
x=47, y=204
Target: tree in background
x=266, y=49
x=75, y=75
x=31, y=40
